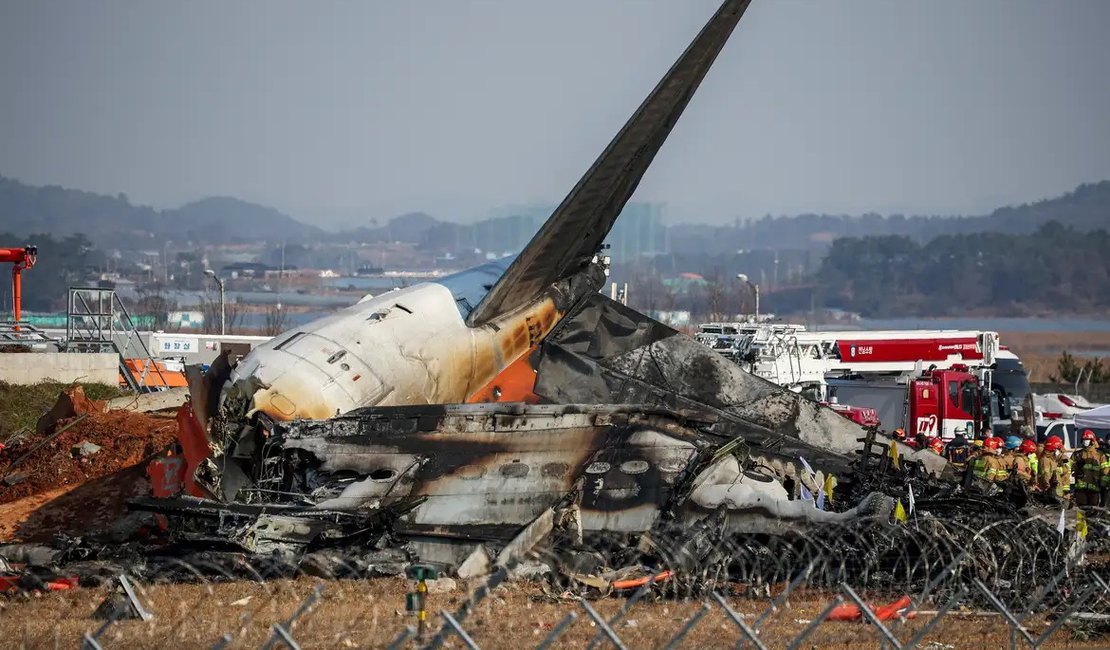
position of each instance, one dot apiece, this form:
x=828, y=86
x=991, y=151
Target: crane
x=21, y=258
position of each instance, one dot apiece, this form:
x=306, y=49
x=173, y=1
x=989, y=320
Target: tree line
x=1054, y=269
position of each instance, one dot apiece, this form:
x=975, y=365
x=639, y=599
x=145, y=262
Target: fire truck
x=927, y=381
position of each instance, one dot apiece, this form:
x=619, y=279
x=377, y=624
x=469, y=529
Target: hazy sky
x=328, y=109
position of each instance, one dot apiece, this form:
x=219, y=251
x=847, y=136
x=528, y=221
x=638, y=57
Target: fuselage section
x=408, y=346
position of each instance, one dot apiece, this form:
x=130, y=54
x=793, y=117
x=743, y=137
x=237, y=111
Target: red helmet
x=1053, y=443
x=937, y=445
x=1090, y=435
x=992, y=443
x=1027, y=446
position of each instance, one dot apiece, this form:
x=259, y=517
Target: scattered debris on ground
x=74, y=469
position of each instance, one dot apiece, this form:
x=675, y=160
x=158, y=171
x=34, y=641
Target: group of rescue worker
x=1082, y=478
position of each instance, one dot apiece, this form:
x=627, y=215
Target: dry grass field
x=1040, y=350
x=369, y=613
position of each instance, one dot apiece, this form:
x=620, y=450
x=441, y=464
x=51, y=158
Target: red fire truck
x=932, y=381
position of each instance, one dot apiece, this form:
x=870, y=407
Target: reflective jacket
x=979, y=466
x=1089, y=468
x=996, y=469
x=1053, y=473
x=1017, y=463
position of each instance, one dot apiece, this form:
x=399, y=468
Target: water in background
x=988, y=324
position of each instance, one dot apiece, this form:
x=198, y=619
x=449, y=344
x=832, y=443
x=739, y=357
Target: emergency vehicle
x=901, y=374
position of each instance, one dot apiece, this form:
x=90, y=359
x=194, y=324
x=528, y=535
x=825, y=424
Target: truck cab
x=940, y=401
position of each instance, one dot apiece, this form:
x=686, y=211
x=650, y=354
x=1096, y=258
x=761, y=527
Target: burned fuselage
x=483, y=471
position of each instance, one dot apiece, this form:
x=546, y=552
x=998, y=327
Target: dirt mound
x=92, y=509
x=71, y=403
x=124, y=439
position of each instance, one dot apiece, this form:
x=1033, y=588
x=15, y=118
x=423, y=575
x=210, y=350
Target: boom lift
x=21, y=258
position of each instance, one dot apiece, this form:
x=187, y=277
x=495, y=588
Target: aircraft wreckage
x=456, y=412
x=509, y=403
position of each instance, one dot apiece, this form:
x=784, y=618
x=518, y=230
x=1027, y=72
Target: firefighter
x=987, y=466
x=975, y=462
x=1089, y=469
x=1029, y=449
x=1053, y=474
x=958, y=451
x=1015, y=462
x=900, y=436
x=1106, y=478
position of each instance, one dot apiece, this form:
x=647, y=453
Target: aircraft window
x=515, y=469
x=634, y=466
x=555, y=470
x=597, y=467
x=383, y=474
x=289, y=340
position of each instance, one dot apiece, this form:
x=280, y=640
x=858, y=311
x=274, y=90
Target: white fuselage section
x=409, y=346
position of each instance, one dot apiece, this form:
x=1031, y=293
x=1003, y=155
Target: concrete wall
x=33, y=367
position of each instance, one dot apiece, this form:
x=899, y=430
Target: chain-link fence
x=931, y=582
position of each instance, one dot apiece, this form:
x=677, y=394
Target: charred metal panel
x=606, y=352
x=491, y=467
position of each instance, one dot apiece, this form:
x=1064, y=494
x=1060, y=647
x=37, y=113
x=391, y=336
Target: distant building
x=244, y=270
x=638, y=232
x=685, y=282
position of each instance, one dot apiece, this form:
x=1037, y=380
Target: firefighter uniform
x=1053, y=474
x=1090, y=469
x=1105, y=480
x=997, y=469
x=978, y=465
x=958, y=452
x=1017, y=465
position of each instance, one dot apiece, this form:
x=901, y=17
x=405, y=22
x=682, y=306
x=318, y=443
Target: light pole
x=755, y=290
x=219, y=283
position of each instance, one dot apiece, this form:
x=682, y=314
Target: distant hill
x=227, y=219
x=114, y=222
x=1085, y=209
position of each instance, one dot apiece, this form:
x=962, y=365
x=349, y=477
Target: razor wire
x=1039, y=586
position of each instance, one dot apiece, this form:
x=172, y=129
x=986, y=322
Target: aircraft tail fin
x=574, y=232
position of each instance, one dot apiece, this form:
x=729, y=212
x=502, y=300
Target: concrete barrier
x=32, y=367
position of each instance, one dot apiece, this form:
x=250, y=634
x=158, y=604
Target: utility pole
x=755, y=290
x=223, y=314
